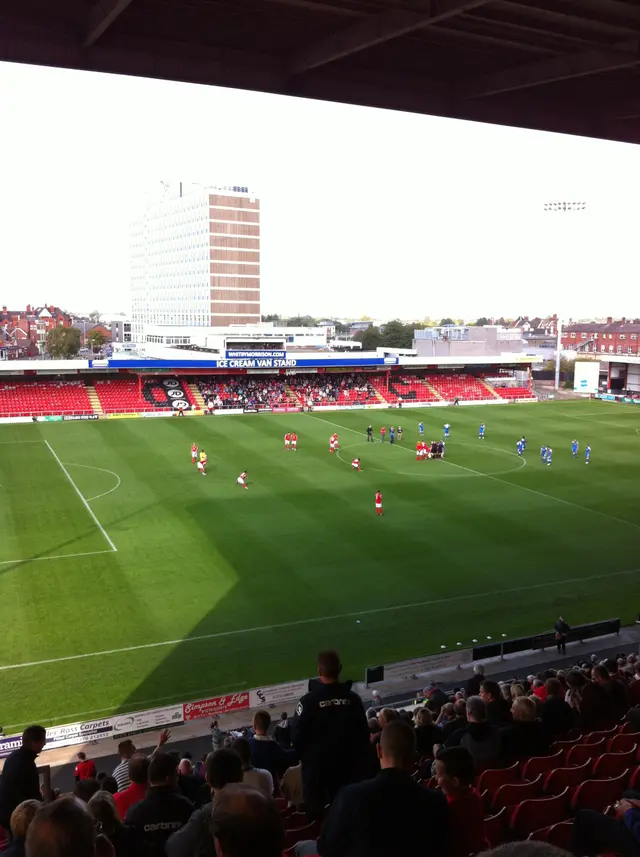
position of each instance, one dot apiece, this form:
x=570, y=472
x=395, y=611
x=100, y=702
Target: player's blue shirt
x=549, y=452
x=587, y=453
x=481, y=429
x=574, y=446
x=446, y=431
x=519, y=446
x=421, y=428
x=543, y=451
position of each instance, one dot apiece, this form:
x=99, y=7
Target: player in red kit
x=294, y=441
x=194, y=453
x=355, y=464
x=287, y=441
x=241, y=480
x=418, y=451
x=333, y=443
x=379, y=503
x=383, y=433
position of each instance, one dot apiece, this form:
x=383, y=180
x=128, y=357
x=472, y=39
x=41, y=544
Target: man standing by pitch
x=562, y=630
x=370, y=434
x=331, y=735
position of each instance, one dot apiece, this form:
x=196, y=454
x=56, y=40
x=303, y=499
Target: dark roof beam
x=593, y=61
x=375, y=30
x=101, y=16
x=576, y=22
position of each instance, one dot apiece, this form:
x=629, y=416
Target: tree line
x=65, y=342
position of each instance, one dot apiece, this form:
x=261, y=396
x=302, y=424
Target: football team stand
x=124, y=395
x=38, y=397
x=409, y=388
x=460, y=386
x=512, y=393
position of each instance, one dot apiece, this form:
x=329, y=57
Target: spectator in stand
x=137, y=789
x=436, y=698
x=390, y=814
x=480, y=738
x=217, y=736
x=245, y=823
x=291, y=786
x=162, y=811
x=103, y=809
x=615, y=691
x=21, y=818
x=456, y=774
x=515, y=691
x=188, y=783
x=257, y=778
x=331, y=736
x=473, y=685
x=498, y=709
x=385, y=716
x=374, y=729
x=595, y=833
x=126, y=749
x=526, y=736
x=65, y=828
x=108, y=784
x=634, y=686
x=459, y=721
x=283, y=731
x=427, y=733
x=85, y=768
x=539, y=689
x=562, y=630
x=223, y=769
x=19, y=779
x=557, y=715
x=85, y=790
x=266, y=753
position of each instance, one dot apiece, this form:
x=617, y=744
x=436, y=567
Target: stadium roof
x=557, y=65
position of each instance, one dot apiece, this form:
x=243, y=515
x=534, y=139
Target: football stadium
x=130, y=582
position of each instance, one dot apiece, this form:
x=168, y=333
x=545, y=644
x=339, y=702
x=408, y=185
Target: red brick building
x=612, y=337
x=31, y=325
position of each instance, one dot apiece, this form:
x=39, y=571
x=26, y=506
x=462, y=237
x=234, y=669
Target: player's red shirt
x=287, y=436
x=243, y=475
x=294, y=438
x=424, y=444
x=378, y=498
x=383, y=430
x=418, y=446
x=194, y=448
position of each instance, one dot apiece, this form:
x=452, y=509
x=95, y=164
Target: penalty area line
x=93, y=515
x=58, y=556
x=318, y=619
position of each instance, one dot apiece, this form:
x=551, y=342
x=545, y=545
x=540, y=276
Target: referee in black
x=370, y=434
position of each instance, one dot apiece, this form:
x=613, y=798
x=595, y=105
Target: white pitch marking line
x=83, y=498
x=513, y=484
x=60, y=556
x=102, y=470
x=7, y=442
x=318, y=619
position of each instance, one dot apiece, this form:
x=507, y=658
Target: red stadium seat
x=581, y=753
x=560, y=835
x=532, y=814
x=494, y=827
x=599, y=794
x=44, y=398
x=561, y=778
x=491, y=779
x=634, y=782
x=595, y=737
x=628, y=728
x=613, y=764
x=541, y=765
x=622, y=743
x=513, y=793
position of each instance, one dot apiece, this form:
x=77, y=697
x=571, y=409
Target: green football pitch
x=212, y=588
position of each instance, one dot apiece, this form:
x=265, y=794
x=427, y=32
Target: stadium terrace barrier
x=611, y=397
x=546, y=640
x=421, y=667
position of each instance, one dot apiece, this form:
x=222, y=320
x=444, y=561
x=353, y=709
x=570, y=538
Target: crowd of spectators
x=327, y=388
x=243, y=391
x=357, y=783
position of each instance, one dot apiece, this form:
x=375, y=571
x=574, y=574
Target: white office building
x=195, y=259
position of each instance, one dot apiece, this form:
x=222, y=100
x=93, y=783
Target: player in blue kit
x=481, y=432
x=587, y=454
x=520, y=447
x=447, y=427
x=523, y=441
x=574, y=448
x=543, y=453
x=549, y=456
x=421, y=428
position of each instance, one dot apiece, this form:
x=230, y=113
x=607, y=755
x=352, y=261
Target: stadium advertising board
x=122, y=416
x=145, y=721
x=286, y=410
x=256, y=363
x=82, y=417
x=277, y=693
x=256, y=354
x=216, y=705
x=586, y=376
x=63, y=736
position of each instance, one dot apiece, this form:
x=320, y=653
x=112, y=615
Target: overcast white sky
x=363, y=211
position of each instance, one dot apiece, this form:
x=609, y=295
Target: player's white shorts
x=294, y=443
x=194, y=456
x=378, y=505
x=356, y=466
x=287, y=442
x=200, y=465
x=240, y=480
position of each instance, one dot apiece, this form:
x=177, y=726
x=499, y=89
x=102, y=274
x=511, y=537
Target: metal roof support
x=375, y=30
x=592, y=61
x=101, y=16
